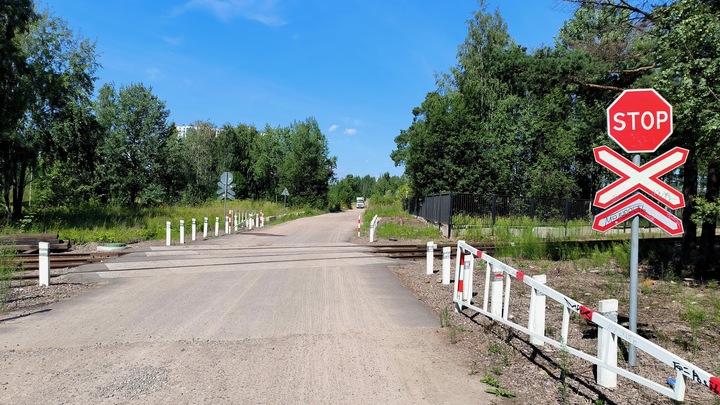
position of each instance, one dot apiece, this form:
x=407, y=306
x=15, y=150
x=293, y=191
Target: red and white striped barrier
x=499, y=275
x=359, y=225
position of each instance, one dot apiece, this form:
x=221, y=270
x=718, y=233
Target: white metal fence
x=496, y=304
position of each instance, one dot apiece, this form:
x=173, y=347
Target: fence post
x=496, y=286
x=194, y=230
x=182, y=232
x=44, y=263
x=168, y=236
x=205, y=226
x=446, y=265
x=494, y=212
x=607, y=345
x=468, y=277
x=459, y=266
x=450, y=215
x=536, y=318
x=567, y=215
x=429, y=256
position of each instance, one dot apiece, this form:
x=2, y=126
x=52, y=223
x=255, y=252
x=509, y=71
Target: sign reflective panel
x=645, y=177
x=638, y=205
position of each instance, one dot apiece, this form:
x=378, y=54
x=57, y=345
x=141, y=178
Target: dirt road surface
x=291, y=313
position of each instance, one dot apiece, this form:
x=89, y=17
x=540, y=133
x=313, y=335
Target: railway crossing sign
x=639, y=120
x=638, y=205
x=645, y=177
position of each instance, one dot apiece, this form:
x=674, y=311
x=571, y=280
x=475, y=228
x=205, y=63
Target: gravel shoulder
x=544, y=375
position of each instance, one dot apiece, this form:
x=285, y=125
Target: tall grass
x=400, y=227
x=105, y=224
x=7, y=266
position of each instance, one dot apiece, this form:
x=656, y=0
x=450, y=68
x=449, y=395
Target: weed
x=499, y=350
x=445, y=317
x=565, y=363
x=695, y=315
x=473, y=368
x=491, y=381
x=645, y=289
x=496, y=389
x=7, y=266
x=453, y=334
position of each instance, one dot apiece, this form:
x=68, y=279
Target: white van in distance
x=360, y=202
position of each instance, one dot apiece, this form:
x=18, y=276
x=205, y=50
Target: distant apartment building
x=182, y=130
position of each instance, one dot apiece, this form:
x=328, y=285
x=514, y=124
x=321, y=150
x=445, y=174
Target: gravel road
x=292, y=313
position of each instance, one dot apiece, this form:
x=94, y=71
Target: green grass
x=7, y=254
x=104, y=224
x=402, y=230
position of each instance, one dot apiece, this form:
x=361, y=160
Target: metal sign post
x=226, y=191
x=285, y=195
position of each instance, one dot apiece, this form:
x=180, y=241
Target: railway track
x=29, y=264
x=419, y=251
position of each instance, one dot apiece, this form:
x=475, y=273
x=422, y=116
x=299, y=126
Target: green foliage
x=496, y=388
x=7, y=267
x=445, y=317
x=47, y=82
x=119, y=224
x=306, y=167
x=137, y=148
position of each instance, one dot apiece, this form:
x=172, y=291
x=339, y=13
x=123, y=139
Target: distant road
x=291, y=313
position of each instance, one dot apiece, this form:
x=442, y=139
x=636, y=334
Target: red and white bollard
x=358, y=226
x=262, y=219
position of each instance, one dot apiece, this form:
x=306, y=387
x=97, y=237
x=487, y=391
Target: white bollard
x=446, y=265
x=205, y=226
x=235, y=221
x=536, y=318
x=496, y=293
x=182, y=232
x=257, y=220
x=194, y=230
x=44, y=262
x=217, y=226
x=430, y=258
x=168, y=236
x=468, y=278
x=607, y=345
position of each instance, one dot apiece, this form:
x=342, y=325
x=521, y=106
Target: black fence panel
x=441, y=208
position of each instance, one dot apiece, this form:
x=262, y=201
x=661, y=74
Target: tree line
x=512, y=121
x=120, y=147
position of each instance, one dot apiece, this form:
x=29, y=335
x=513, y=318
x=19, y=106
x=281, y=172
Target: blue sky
x=358, y=67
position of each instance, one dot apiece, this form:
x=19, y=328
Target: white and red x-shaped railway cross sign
x=645, y=177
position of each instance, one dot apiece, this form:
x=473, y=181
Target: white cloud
x=333, y=127
x=350, y=131
x=152, y=73
x=263, y=11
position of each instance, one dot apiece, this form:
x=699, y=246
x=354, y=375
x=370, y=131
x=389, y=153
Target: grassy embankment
x=111, y=224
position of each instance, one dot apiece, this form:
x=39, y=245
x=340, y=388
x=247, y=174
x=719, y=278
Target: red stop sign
x=640, y=120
